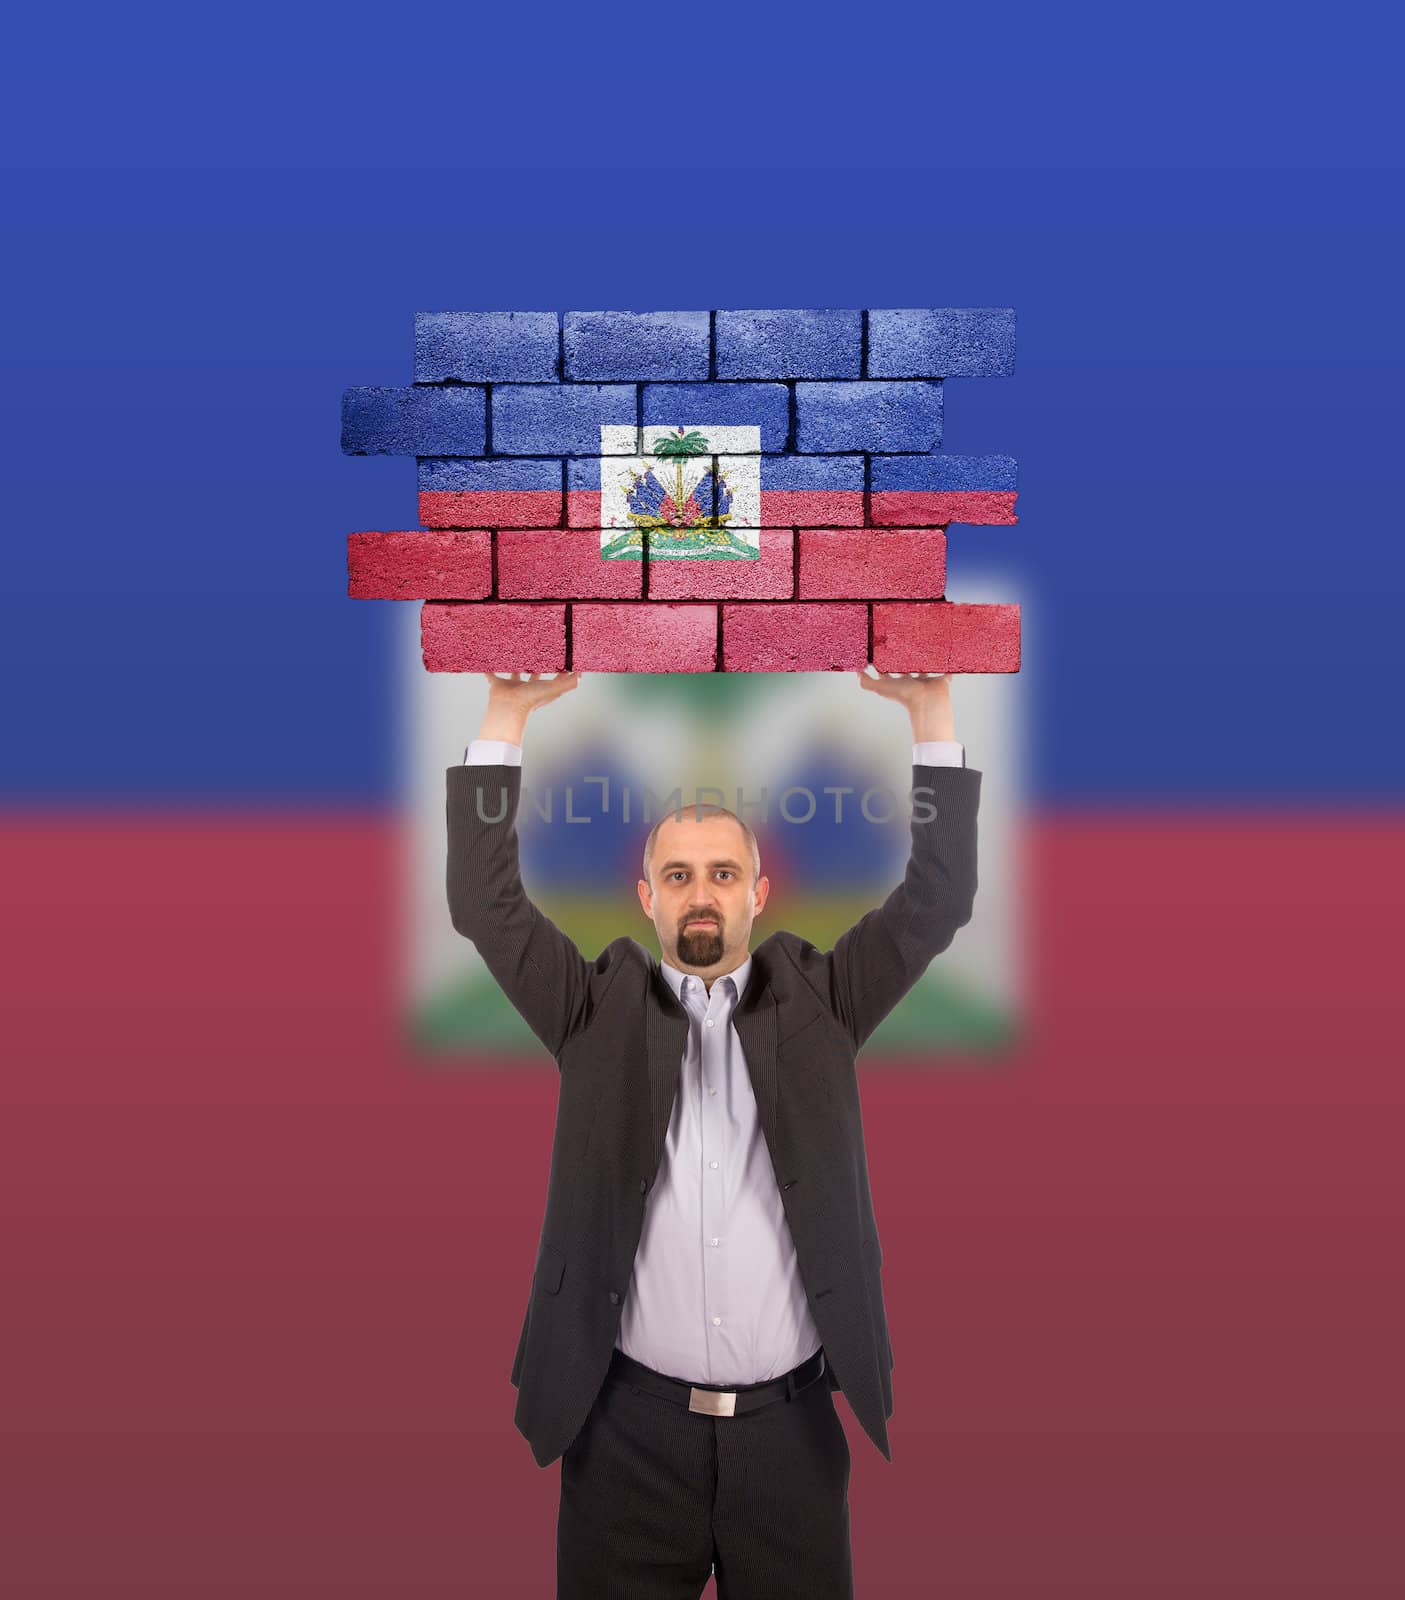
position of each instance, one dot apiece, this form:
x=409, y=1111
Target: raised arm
x=538, y=967
x=875, y=962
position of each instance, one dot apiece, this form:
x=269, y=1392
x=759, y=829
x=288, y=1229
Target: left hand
x=928, y=700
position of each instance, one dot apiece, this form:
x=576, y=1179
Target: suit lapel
x=666, y=1038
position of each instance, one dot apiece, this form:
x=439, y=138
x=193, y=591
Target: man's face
x=703, y=900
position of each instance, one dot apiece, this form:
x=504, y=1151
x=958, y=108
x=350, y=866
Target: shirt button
x=717, y=1322
x=712, y=1163
x=710, y=1022
x=714, y=1241
x=712, y=1091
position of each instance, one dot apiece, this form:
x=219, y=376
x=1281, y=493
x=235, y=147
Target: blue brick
x=698, y=405
x=795, y=474
x=887, y=417
x=560, y=419
x=605, y=346
x=486, y=346
x=976, y=343
x=438, y=472
x=413, y=422
x=941, y=471
x=789, y=344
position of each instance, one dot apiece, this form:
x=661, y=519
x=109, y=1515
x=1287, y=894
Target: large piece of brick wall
x=516, y=417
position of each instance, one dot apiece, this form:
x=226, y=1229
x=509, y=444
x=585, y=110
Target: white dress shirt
x=715, y=1294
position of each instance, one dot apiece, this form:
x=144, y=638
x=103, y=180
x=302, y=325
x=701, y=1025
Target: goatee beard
x=700, y=947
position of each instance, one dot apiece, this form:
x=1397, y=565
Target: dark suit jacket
x=618, y=1034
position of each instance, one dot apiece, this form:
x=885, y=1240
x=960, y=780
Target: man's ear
x=645, y=897
x=763, y=889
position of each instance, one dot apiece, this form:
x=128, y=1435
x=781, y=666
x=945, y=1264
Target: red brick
x=526, y=636
x=582, y=508
x=563, y=565
x=901, y=564
x=985, y=638
x=770, y=576
x=643, y=637
x=946, y=637
x=811, y=508
x=794, y=637
x=416, y=565
x=912, y=638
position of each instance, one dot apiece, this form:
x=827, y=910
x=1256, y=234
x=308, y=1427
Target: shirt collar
x=738, y=975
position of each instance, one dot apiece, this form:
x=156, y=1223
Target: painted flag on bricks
x=689, y=491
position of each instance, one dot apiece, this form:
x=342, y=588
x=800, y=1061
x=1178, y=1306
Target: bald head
x=747, y=849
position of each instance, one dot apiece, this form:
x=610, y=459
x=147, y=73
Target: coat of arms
x=681, y=499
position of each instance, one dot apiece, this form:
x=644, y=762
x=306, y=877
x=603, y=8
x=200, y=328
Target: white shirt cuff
x=492, y=752
x=939, y=753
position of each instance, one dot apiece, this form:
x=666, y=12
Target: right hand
x=537, y=690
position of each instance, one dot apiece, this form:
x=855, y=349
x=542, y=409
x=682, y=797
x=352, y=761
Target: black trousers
x=654, y=1496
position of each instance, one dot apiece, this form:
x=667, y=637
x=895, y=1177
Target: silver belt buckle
x=713, y=1402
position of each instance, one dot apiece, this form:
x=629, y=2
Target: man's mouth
x=702, y=922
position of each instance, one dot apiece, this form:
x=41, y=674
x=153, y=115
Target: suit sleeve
x=875, y=963
x=537, y=966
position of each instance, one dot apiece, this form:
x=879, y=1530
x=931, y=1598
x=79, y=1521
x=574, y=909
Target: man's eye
x=726, y=871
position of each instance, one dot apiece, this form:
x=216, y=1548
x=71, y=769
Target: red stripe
x=811, y=508
x=490, y=508
x=934, y=508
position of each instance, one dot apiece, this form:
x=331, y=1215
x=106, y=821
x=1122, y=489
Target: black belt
x=711, y=1399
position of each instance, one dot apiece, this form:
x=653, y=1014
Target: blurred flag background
x=266, y=1229
x=820, y=770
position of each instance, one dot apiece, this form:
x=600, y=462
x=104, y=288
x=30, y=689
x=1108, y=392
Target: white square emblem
x=679, y=497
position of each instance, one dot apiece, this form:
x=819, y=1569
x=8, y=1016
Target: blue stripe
x=941, y=471
x=454, y=473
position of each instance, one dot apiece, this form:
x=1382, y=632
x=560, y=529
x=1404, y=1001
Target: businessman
x=709, y=1268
